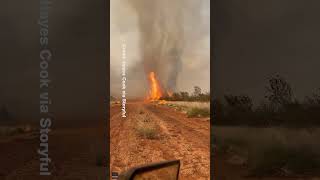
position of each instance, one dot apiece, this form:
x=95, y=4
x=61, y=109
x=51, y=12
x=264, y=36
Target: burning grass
x=271, y=151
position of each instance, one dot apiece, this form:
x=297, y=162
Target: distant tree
x=278, y=91
x=265, y=113
x=314, y=99
x=207, y=96
x=238, y=109
x=197, y=91
x=204, y=97
x=242, y=102
x=312, y=107
x=176, y=97
x=184, y=96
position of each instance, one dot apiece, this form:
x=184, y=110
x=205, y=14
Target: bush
x=267, y=160
x=147, y=132
x=303, y=161
x=279, y=159
x=198, y=112
x=146, y=127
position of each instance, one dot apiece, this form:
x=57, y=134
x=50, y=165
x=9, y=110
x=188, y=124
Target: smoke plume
x=167, y=37
x=162, y=38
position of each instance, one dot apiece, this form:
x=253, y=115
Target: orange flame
x=155, y=92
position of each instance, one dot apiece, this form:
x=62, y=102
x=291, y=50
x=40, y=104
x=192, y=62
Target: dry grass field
x=190, y=104
x=192, y=109
x=267, y=152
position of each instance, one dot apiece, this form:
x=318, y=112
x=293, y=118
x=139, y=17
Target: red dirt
x=179, y=137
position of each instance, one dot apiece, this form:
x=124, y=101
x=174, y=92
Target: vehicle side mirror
x=168, y=170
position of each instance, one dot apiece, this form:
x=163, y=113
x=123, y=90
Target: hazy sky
x=195, y=58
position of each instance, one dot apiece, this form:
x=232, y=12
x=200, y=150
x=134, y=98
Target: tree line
x=196, y=95
x=279, y=107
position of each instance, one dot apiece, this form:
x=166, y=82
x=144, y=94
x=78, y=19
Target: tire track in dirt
x=191, y=141
x=175, y=140
x=127, y=149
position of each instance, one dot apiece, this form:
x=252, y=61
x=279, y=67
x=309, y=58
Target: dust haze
x=170, y=38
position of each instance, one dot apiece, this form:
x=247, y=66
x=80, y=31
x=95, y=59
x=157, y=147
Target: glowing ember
x=155, y=92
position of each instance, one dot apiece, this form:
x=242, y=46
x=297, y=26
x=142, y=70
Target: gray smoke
x=162, y=37
x=169, y=37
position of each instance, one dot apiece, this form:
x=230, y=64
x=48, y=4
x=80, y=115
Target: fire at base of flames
x=156, y=91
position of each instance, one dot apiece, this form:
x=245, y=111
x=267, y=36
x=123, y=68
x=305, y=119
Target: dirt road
x=178, y=137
